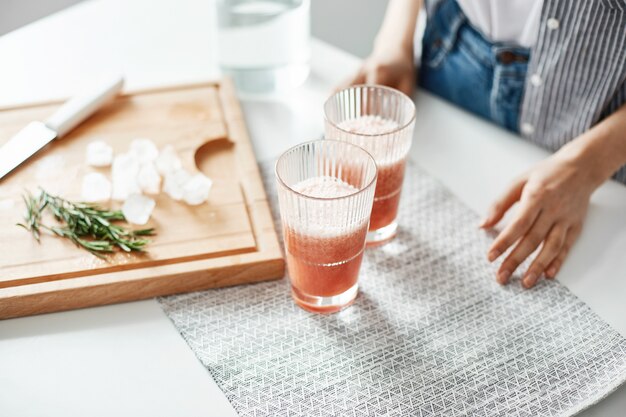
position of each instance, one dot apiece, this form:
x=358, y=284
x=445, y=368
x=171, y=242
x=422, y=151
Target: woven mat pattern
x=430, y=334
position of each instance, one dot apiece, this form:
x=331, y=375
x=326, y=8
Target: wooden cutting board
x=229, y=240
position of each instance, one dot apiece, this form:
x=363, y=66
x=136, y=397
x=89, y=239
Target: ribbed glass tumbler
x=325, y=193
x=381, y=121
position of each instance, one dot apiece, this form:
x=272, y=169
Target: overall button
x=527, y=129
x=536, y=80
x=552, y=23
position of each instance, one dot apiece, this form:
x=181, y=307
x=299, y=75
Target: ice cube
x=96, y=188
x=196, y=189
x=123, y=187
x=149, y=179
x=144, y=150
x=137, y=209
x=125, y=165
x=99, y=154
x=168, y=160
x=50, y=166
x=175, y=182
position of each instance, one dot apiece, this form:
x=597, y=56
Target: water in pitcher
x=264, y=44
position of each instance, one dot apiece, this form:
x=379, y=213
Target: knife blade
x=38, y=134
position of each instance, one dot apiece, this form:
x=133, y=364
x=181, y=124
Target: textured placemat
x=431, y=333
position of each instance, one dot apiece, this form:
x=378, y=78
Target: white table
x=128, y=359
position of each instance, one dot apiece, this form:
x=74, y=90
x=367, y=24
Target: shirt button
x=552, y=23
x=527, y=129
x=536, y=80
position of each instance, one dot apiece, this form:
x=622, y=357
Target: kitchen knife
x=37, y=134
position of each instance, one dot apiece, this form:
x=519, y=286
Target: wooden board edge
x=75, y=295
x=125, y=92
x=251, y=180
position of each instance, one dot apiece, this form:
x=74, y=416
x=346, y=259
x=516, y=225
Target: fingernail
x=551, y=273
x=483, y=222
x=486, y=219
x=503, y=276
x=493, y=255
x=529, y=280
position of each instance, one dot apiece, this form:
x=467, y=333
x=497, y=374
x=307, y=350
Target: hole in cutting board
x=216, y=159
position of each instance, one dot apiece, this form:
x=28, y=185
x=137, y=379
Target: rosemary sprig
x=87, y=225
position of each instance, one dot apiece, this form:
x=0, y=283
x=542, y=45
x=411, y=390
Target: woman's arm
x=398, y=26
x=391, y=61
x=554, y=197
x=604, y=145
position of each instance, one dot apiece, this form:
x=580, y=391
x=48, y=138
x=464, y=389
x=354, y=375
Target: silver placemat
x=430, y=334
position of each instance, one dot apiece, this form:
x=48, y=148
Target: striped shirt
x=577, y=71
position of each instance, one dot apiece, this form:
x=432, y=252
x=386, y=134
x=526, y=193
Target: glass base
x=267, y=80
x=331, y=304
x=381, y=236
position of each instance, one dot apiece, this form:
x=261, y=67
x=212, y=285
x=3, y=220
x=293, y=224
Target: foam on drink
x=323, y=222
x=324, y=187
x=369, y=124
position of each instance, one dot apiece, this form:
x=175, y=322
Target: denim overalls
x=460, y=65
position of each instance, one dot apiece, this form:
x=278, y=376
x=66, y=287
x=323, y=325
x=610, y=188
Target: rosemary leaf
x=88, y=226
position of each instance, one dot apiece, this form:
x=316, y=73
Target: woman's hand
x=554, y=198
x=393, y=67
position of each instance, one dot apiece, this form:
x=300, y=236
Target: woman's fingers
x=522, y=223
x=407, y=85
x=379, y=75
x=396, y=72
x=557, y=262
x=502, y=204
x=359, y=78
x=552, y=246
x=526, y=246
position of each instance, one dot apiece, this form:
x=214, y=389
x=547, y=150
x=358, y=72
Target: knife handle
x=77, y=109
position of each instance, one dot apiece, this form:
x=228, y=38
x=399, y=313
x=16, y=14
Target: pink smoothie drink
x=324, y=260
x=387, y=195
x=390, y=170
x=381, y=121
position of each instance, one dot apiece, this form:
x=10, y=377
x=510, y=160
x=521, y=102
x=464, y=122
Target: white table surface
x=128, y=359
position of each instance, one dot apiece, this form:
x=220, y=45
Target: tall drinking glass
x=325, y=192
x=381, y=121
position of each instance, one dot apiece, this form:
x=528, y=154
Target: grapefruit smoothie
x=324, y=259
x=380, y=120
x=387, y=196
x=390, y=169
x=325, y=193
